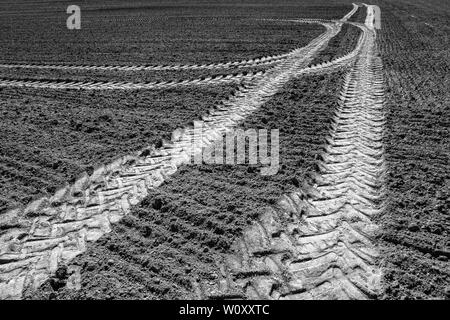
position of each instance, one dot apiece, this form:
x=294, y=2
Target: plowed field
x=99, y=195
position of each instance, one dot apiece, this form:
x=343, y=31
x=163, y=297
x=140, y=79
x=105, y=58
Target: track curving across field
x=314, y=244
x=120, y=85
x=263, y=61
x=317, y=242
x=50, y=232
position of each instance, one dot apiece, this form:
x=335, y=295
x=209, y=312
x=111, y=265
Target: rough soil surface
x=177, y=234
x=360, y=15
x=50, y=137
x=340, y=45
x=147, y=32
x=416, y=224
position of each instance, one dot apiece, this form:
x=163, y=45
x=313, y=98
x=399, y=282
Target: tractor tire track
x=115, y=85
x=264, y=61
x=50, y=232
x=316, y=243
x=351, y=13
x=326, y=67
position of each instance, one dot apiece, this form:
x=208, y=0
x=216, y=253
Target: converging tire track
x=317, y=242
x=258, y=62
x=51, y=231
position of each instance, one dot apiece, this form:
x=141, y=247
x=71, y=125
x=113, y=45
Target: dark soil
x=360, y=15
x=50, y=137
x=147, y=32
x=343, y=43
x=177, y=233
x=416, y=224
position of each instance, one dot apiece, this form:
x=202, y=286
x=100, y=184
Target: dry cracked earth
x=100, y=197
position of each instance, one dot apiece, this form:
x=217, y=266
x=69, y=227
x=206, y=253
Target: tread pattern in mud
x=317, y=243
x=59, y=227
x=119, y=85
x=353, y=274
x=43, y=131
x=413, y=43
x=185, y=35
x=203, y=208
x=268, y=60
